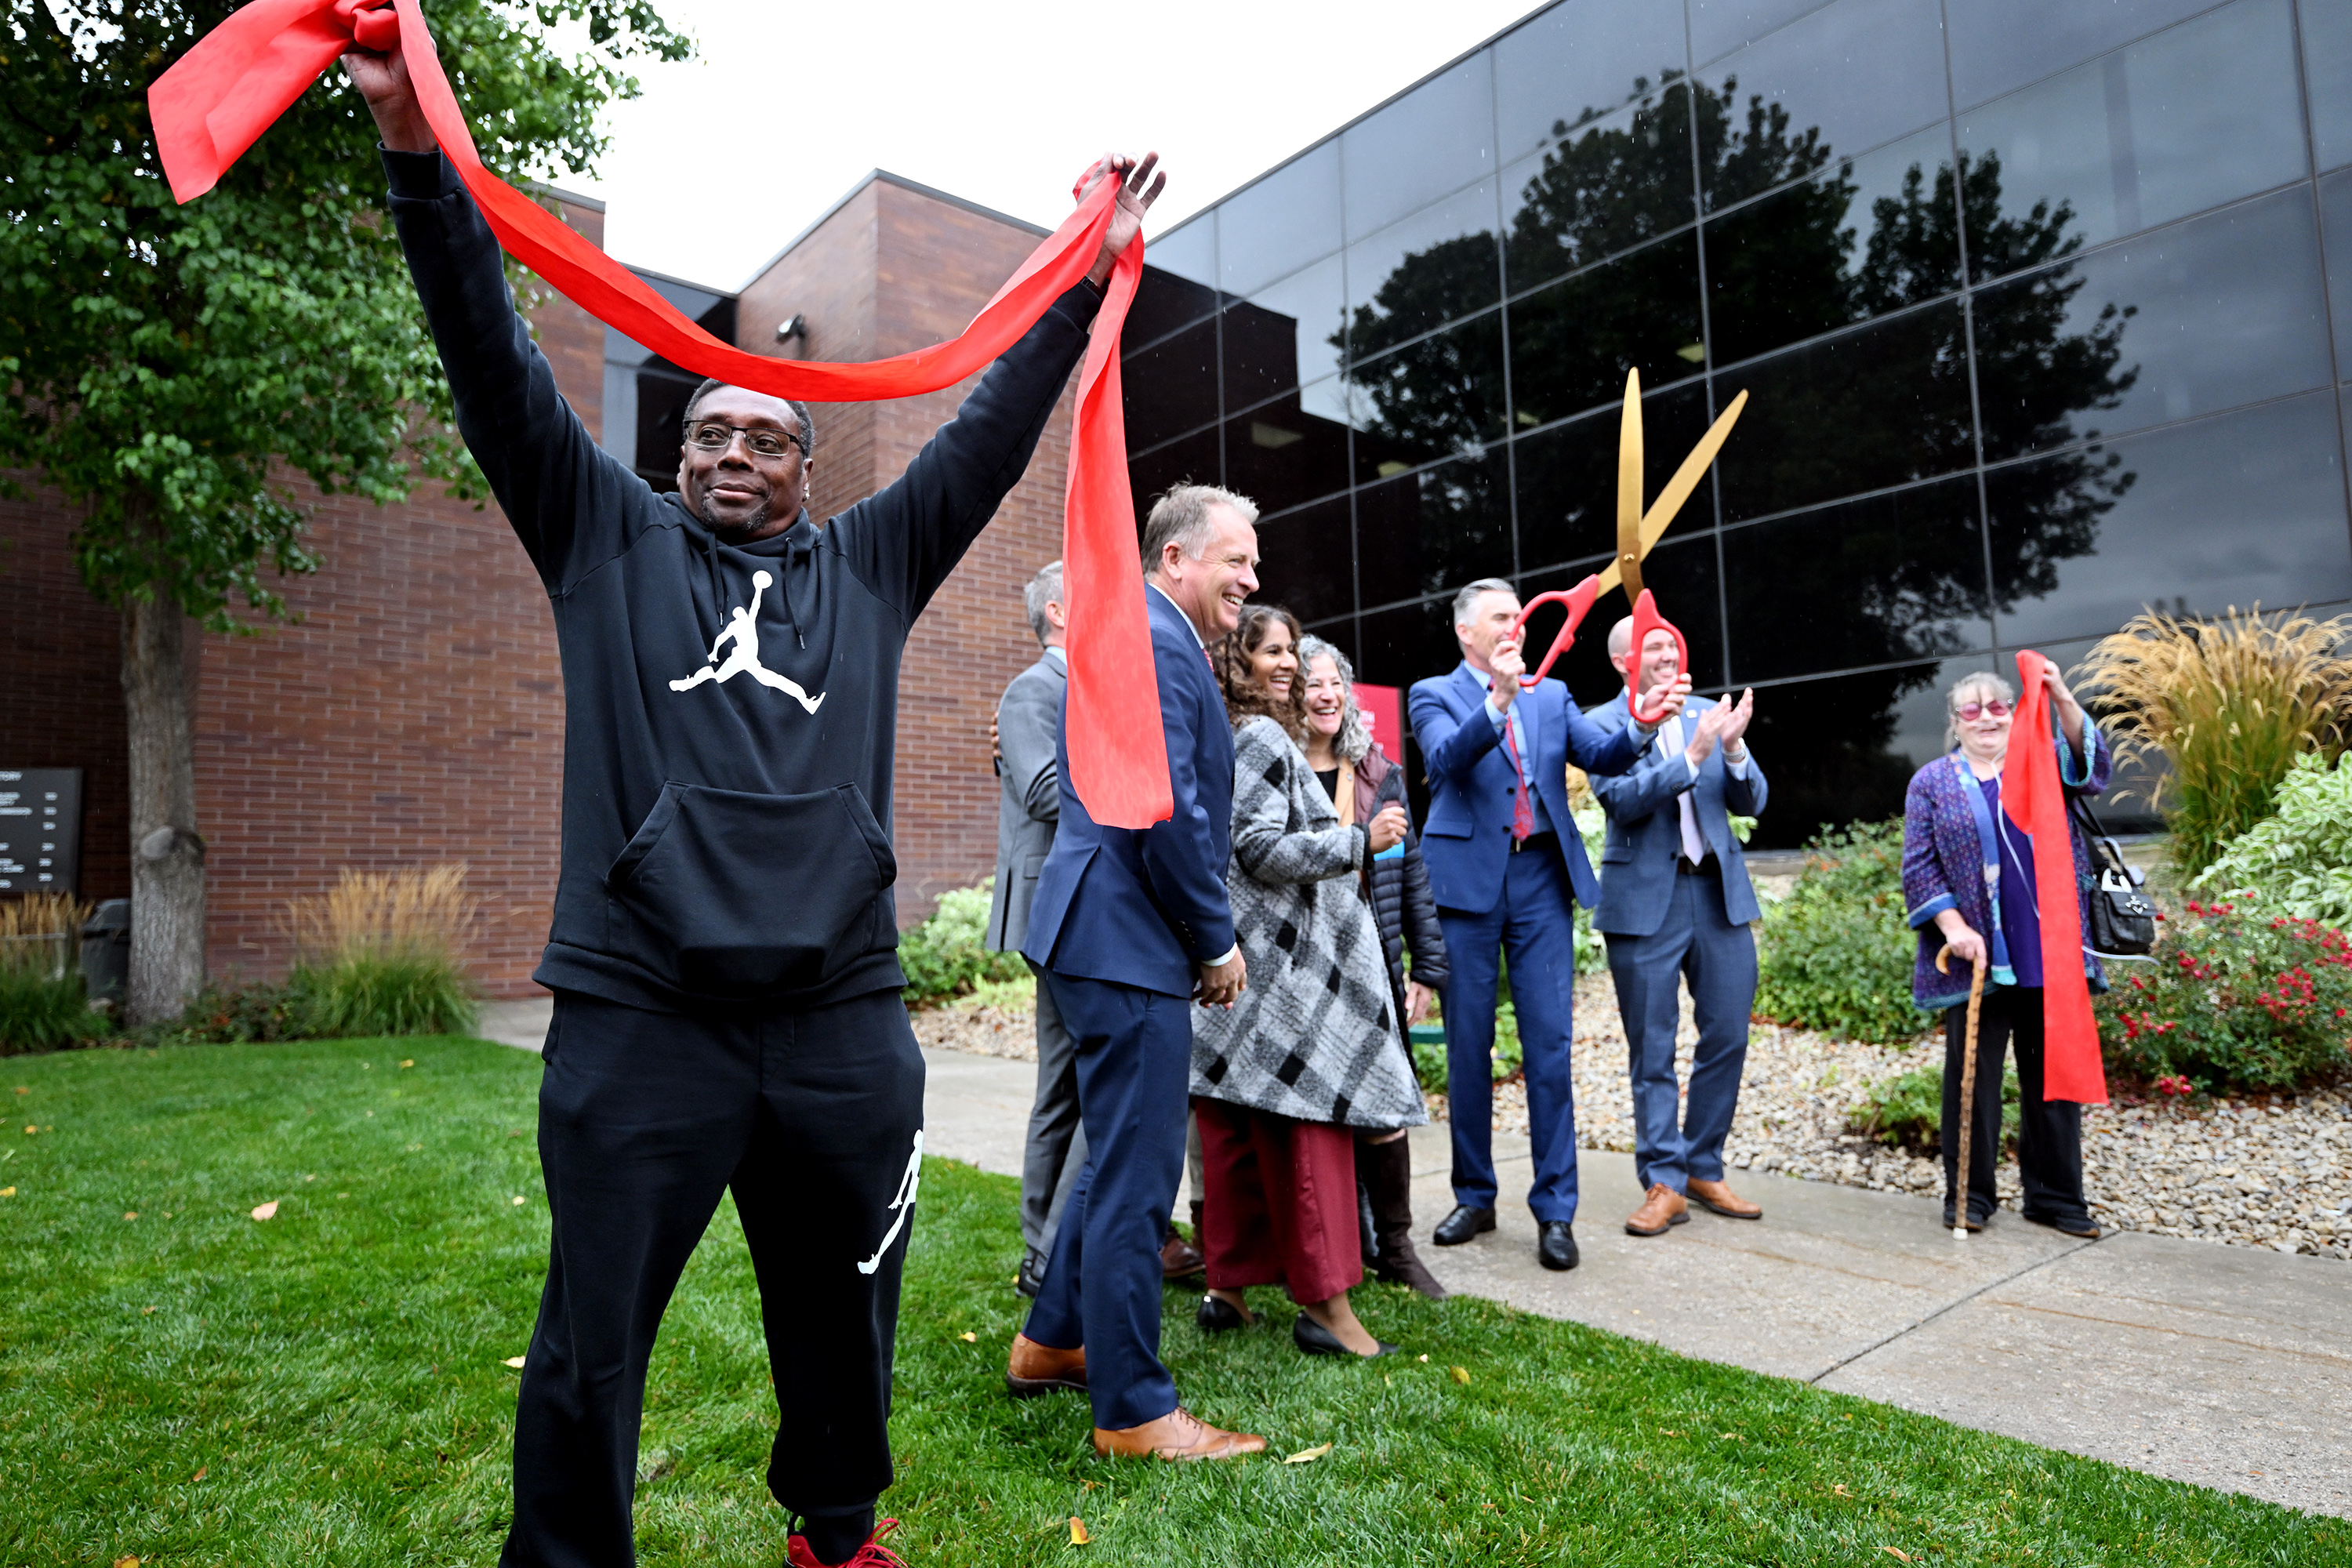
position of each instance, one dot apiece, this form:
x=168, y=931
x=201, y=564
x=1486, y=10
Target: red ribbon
x=218, y=98
x=2033, y=798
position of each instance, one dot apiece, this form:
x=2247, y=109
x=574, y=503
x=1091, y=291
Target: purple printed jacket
x=1943, y=866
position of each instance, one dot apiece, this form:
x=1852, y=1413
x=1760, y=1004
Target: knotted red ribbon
x=2033, y=798
x=218, y=98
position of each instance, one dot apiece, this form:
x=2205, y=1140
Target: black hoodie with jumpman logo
x=730, y=712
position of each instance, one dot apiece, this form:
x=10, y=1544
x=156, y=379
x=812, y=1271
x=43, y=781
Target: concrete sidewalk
x=2220, y=1366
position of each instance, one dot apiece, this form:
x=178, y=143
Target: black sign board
x=40, y=830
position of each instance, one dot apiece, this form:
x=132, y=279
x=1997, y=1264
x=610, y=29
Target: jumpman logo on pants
x=743, y=631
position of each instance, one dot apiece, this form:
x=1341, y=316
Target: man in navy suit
x=1676, y=904
x=1129, y=927
x=1506, y=865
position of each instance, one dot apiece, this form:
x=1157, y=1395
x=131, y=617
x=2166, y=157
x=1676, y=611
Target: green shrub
x=230, y=1014
x=2237, y=999
x=1835, y=954
x=46, y=1012
x=382, y=993
x=945, y=957
x=1908, y=1111
x=2298, y=862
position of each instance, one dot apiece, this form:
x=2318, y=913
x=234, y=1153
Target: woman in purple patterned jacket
x=1968, y=880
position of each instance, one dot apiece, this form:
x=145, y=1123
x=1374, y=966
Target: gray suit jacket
x=1028, y=726
x=1646, y=831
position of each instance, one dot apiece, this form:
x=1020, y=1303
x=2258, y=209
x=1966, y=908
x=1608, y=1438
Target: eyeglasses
x=764, y=441
x=1969, y=711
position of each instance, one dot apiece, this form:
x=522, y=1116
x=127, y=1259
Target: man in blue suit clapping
x=1676, y=904
x=1506, y=865
x=1129, y=927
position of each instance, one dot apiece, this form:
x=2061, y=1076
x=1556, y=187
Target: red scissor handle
x=1578, y=601
x=1646, y=620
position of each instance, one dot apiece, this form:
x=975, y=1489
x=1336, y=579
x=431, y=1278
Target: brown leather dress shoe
x=1178, y=1435
x=1178, y=1257
x=1036, y=1369
x=1662, y=1207
x=1719, y=1197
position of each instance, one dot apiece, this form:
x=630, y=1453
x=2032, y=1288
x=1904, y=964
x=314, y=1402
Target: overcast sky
x=1000, y=104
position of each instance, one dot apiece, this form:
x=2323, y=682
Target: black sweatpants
x=815, y=1120
x=2050, y=1131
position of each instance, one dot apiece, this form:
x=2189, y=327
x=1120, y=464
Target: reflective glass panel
x=1279, y=224
x=1997, y=45
x=1283, y=335
x=1568, y=477
x=1719, y=26
x=2219, y=310
x=1572, y=341
x=1437, y=265
x=1439, y=396
x=2327, y=66
x=1433, y=531
x=2192, y=117
x=1163, y=302
x=1871, y=235
x=1429, y=144
x=1280, y=457
x=1842, y=749
x=1306, y=561
x=1576, y=62
x=1843, y=78
x=1869, y=581
x=1681, y=576
x=2336, y=216
x=1617, y=183
x=1172, y=387
x=1866, y=410
x=1410, y=642
x=1193, y=461
x=2243, y=507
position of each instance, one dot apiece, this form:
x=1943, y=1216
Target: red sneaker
x=873, y=1554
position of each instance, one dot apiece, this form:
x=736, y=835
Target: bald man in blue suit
x=1507, y=868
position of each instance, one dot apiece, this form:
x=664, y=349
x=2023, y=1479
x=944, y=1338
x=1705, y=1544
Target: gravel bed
x=2276, y=1174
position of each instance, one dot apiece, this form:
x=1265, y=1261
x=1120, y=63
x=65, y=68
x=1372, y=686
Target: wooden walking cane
x=1967, y=1091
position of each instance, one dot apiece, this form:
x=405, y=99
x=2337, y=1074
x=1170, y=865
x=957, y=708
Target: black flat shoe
x=1316, y=1339
x=2082, y=1226
x=1031, y=1277
x=1556, y=1245
x=1976, y=1223
x=1216, y=1316
x=1463, y=1224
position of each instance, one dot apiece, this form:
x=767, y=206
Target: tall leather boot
x=1386, y=1171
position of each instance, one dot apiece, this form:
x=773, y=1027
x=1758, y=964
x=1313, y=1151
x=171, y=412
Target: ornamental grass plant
x=43, y=1005
x=2229, y=704
x=2237, y=999
x=381, y=953
x=1835, y=954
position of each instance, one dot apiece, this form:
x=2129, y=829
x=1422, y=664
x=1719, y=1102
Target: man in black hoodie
x=723, y=954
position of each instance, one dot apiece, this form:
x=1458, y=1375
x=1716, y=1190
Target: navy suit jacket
x=1467, y=839
x=1147, y=907
x=1646, y=830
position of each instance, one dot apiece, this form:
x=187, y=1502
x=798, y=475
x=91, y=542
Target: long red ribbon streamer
x=2033, y=797
x=218, y=98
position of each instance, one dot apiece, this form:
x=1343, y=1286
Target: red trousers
x=1280, y=1204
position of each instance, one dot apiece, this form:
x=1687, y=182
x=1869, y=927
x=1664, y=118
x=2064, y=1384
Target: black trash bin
x=106, y=952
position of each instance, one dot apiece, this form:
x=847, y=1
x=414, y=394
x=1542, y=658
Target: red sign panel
x=1384, y=710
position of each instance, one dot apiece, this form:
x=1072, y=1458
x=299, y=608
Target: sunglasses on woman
x=1970, y=711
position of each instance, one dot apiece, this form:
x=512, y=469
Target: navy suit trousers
x=1674, y=1141
x=1102, y=1284
x=1535, y=922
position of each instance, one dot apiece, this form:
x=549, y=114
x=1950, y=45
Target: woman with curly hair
x=1311, y=1051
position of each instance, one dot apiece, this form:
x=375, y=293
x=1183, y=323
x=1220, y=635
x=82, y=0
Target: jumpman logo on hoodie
x=742, y=629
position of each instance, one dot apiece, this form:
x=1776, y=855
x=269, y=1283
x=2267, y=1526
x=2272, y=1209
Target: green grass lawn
x=329, y=1386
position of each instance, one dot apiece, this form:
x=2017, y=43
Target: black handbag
x=2123, y=917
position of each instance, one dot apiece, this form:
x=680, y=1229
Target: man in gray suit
x=1676, y=904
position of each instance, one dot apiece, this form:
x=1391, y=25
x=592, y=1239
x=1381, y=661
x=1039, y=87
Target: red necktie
x=1523, y=813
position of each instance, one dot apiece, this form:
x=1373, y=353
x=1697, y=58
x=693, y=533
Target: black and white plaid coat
x=1314, y=1036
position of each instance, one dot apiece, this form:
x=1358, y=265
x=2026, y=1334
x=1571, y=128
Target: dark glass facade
x=2044, y=312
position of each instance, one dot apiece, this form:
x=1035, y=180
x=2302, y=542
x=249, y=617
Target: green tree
x=169, y=370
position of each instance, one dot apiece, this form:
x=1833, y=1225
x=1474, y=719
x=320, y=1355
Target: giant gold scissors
x=1637, y=530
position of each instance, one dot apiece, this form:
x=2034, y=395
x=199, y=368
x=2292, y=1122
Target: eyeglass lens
x=715, y=438
x=1969, y=711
